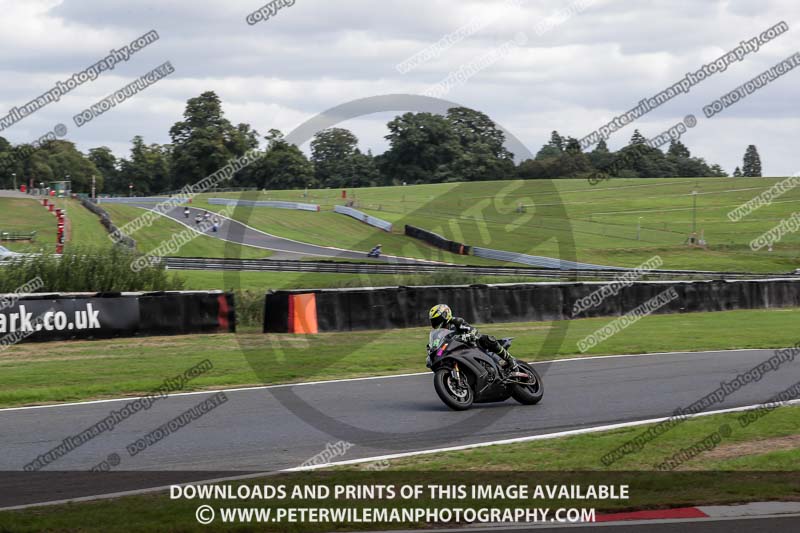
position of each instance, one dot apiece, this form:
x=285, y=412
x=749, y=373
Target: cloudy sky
x=533, y=65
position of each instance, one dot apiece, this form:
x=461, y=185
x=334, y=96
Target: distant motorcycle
x=464, y=374
x=375, y=252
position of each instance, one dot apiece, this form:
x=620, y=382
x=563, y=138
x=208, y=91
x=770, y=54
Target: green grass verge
x=732, y=472
x=583, y=452
x=78, y=370
x=85, y=226
x=263, y=281
x=603, y=219
x=28, y=214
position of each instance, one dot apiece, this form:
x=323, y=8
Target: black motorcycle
x=464, y=374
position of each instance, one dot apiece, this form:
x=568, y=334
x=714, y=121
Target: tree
x=535, y=169
x=332, y=152
x=601, y=148
x=108, y=168
x=600, y=157
x=692, y=167
x=637, y=138
x=283, y=166
x=553, y=149
x=556, y=141
x=56, y=160
x=422, y=148
x=573, y=146
x=483, y=155
x=476, y=128
x=8, y=163
x=204, y=141
x=751, y=167
x=148, y=168
x=717, y=171
x=678, y=149
x=246, y=139
x=642, y=161
x=364, y=170
x=339, y=163
x=572, y=164
x=737, y=173
x=548, y=151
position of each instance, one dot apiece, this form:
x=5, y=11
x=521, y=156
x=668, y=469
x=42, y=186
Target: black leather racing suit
x=486, y=342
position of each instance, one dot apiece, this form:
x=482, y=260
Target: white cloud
x=318, y=54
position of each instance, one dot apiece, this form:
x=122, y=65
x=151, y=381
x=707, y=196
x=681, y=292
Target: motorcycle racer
x=441, y=316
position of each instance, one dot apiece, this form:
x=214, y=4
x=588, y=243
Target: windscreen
x=436, y=337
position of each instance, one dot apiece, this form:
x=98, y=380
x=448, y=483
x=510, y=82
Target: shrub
x=86, y=269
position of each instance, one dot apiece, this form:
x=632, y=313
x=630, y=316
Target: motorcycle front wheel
x=529, y=394
x=457, y=396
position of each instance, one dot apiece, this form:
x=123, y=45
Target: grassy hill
x=27, y=214
x=85, y=227
x=570, y=219
x=620, y=222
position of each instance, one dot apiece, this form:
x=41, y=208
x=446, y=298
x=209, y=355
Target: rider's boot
x=507, y=361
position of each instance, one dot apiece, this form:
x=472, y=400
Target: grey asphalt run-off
x=255, y=432
x=239, y=233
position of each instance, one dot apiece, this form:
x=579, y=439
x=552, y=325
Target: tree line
x=462, y=145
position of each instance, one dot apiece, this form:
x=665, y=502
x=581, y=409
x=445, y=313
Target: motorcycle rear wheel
x=454, y=395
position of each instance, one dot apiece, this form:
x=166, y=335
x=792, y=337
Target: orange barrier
x=303, y=313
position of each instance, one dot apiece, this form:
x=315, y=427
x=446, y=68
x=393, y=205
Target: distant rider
x=375, y=252
x=442, y=317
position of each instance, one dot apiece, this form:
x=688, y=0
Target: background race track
x=234, y=231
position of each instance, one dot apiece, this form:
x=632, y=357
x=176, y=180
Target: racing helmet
x=440, y=315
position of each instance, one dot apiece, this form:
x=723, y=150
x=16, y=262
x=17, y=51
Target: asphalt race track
x=234, y=231
x=270, y=429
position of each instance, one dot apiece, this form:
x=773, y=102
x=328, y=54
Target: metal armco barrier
x=436, y=240
x=264, y=203
x=105, y=220
x=535, y=260
x=342, y=267
x=142, y=200
x=304, y=311
x=54, y=317
x=363, y=217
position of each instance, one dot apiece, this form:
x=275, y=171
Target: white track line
x=368, y=378
x=546, y=436
x=532, y=438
